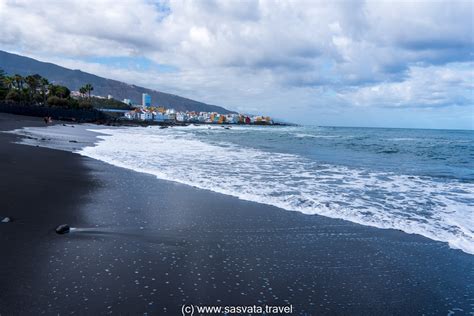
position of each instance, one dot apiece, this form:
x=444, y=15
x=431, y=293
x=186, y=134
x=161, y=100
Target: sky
x=339, y=63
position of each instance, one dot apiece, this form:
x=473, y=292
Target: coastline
x=149, y=245
x=104, y=116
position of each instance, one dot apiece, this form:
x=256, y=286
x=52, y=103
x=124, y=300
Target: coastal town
x=34, y=95
x=151, y=113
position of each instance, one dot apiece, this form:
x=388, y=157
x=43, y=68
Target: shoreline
x=315, y=263
x=83, y=136
x=106, y=117
x=61, y=136
x=86, y=134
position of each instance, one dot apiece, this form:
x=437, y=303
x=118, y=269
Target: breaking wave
x=440, y=209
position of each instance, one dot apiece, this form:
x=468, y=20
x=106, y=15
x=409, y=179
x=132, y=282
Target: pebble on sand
x=63, y=229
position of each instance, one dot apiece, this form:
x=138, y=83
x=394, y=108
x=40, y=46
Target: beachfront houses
x=151, y=114
x=160, y=117
x=159, y=114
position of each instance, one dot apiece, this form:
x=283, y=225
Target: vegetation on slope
x=37, y=90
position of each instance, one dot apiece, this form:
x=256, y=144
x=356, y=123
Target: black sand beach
x=143, y=245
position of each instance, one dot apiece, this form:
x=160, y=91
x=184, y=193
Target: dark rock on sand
x=63, y=229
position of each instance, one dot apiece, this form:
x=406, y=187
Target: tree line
x=35, y=89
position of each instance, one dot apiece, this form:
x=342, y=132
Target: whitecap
x=438, y=210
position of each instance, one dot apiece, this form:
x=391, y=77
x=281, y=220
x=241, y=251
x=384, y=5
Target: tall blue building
x=146, y=99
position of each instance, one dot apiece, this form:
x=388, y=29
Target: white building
x=181, y=117
x=232, y=118
x=130, y=115
x=145, y=115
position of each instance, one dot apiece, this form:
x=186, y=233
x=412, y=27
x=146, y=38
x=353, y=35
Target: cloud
x=80, y=28
x=244, y=53
x=431, y=87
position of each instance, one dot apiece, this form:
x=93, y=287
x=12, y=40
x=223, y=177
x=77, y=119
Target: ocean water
x=418, y=181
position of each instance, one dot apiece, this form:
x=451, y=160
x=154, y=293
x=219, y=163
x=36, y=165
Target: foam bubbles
x=440, y=210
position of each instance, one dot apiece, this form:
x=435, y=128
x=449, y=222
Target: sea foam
x=438, y=210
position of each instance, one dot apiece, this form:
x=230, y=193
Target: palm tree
x=88, y=88
x=9, y=82
x=19, y=80
x=18, y=84
x=33, y=82
x=44, y=84
x=59, y=91
x=83, y=91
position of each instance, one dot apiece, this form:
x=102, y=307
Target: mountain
x=74, y=79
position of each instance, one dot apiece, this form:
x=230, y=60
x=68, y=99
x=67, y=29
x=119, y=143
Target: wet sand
x=143, y=245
